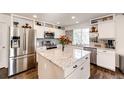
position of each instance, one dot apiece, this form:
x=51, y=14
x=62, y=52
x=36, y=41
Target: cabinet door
x=39, y=31
x=56, y=33
x=59, y=32
x=62, y=32
x=4, y=39
x=83, y=72
x=49, y=29
x=106, y=29
x=106, y=60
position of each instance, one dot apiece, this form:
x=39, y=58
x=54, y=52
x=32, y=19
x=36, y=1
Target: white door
x=106, y=29
x=4, y=40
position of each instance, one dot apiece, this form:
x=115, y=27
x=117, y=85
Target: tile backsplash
x=39, y=41
x=106, y=43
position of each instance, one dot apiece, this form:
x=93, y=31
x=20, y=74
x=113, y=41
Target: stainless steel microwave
x=49, y=35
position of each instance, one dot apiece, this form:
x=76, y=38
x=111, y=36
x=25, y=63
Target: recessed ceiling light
x=77, y=22
x=73, y=17
x=35, y=16
x=58, y=23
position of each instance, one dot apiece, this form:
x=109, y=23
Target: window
x=81, y=36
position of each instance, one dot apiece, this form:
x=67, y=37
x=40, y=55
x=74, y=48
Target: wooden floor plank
x=96, y=73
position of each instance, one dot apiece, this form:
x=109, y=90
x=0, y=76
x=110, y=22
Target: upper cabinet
x=105, y=26
x=41, y=27
x=49, y=29
x=106, y=30
x=39, y=31
x=59, y=32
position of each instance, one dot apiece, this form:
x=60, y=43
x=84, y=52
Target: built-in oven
x=49, y=35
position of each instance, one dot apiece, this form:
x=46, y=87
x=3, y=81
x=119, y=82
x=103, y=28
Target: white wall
x=5, y=18
x=4, y=40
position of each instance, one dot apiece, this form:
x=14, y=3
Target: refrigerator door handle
x=24, y=40
x=23, y=56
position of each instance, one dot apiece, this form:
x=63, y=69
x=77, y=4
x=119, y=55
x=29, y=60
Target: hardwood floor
x=96, y=73
x=30, y=74
x=3, y=73
x=101, y=73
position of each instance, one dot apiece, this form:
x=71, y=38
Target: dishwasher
x=93, y=55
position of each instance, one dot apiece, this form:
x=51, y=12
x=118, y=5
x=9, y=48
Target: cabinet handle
x=3, y=47
x=86, y=58
x=75, y=66
x=82, y=68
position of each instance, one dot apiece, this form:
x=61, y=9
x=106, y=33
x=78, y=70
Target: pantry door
x=4, y=43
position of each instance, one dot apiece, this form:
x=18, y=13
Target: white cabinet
x=83, y=72
x=39, y=31
x=106, y=30
x=78, y=70
x=49, y=29
x=59, y=32
x=48, y=70
x=106, y=59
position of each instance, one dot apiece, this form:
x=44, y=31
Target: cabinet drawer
x=83, y=72
x=105, y=51
x=70, y=69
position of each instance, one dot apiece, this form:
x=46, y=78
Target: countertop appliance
x=22, y=50
x=93, y=55
x=111, y=44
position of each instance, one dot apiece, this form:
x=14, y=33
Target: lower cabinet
x=49, y=70
x=83, y=72
x=106, y=59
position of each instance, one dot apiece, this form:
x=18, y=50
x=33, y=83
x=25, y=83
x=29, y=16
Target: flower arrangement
x=64, y=40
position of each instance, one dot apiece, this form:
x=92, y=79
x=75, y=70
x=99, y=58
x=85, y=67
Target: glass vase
x=63, y=46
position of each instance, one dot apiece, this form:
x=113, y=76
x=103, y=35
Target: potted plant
x=64, y=40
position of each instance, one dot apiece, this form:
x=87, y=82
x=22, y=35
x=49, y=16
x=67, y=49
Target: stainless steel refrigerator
x=22, y=50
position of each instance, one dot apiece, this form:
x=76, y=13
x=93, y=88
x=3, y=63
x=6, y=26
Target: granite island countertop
x=64, y=58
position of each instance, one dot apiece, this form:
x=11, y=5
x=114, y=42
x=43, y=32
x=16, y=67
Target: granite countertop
x=92, y=46
x=64, y=59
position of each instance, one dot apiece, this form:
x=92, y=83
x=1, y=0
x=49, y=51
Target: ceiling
x=65, y=19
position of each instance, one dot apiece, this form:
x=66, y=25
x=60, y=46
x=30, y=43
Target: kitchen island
x=72, y=63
